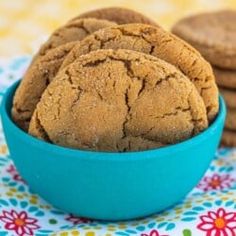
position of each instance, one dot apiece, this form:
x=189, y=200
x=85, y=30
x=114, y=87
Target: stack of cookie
x=214, y=35
x=112, y=83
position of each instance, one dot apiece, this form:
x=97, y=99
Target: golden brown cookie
x=46, y=64
x=35, y=81
x=229, y=97
x=229, y=138
x=230, y=122
x=213, y=34
x=225, y=78
x=117, y=14
x=118, y=100
x=161, y=44
x=73, y=31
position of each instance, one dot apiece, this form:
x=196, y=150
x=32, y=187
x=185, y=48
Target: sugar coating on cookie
x=225, y=78
x=119, y=15
x=73, y=31
x=46, y=64
x=161, y=44
x=118, y=100
x=35, y=81
x=213, y=34
x=229, y=138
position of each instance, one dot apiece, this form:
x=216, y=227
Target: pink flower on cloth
x=77, y=220
x=219, y=223
x=20, y=222
x=15, y=175
x=215, y=182
x=154, y=232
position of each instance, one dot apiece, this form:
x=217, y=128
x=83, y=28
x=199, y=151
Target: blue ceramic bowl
x=110, y=186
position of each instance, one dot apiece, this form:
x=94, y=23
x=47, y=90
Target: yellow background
x=25, y=24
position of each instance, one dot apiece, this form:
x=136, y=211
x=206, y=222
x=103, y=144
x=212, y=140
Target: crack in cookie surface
x=163, y=45
x=73, y=31
x=46, y=64
x=120, y=97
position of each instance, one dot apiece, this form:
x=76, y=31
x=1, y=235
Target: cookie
x=230, y=122
x=35, y=81
x=229, y=97
x=117, y=14
x=118, y=100
x=228, y=138
x=73, y=31
x=161, y=44
x=213, y=34
x=46, y=64
x=225, y=78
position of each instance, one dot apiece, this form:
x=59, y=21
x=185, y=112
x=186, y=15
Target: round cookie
x=228, y=138
x=118, y=100
x=117, y=14
x=230, y=122
x=213, y=34
x=229, y=97
x=161, y=44
x=46, y=63
x=73, y=31
x=225, y=78
x=35, y=81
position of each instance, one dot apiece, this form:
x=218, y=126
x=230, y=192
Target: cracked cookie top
x=35, y=81
x=119, y=15
x=73, y=31
x=156, y=42
x=118, y=100
x=46, y=64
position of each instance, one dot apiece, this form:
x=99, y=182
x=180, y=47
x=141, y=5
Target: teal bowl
x=110, y=186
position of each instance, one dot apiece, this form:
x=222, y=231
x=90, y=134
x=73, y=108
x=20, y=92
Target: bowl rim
x=163, y=151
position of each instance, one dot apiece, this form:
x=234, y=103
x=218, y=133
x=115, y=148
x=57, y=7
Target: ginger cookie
x=230, y=122
x=73, y=31
x=161, y=44
x=35, y=81
x=213, y=34
x=117, y=14
x=229, y=97
x=118, y=100
x=225, y=78
x=228, y=138
x=46, y=64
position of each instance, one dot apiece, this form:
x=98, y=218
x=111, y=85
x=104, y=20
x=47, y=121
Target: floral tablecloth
x=210, y=209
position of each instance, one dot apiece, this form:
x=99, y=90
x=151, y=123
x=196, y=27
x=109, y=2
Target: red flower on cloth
x=21, y=223
x=154, y=232
x=219, y=223
x=215, y=182
x=15, y=175
x=77, y=220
